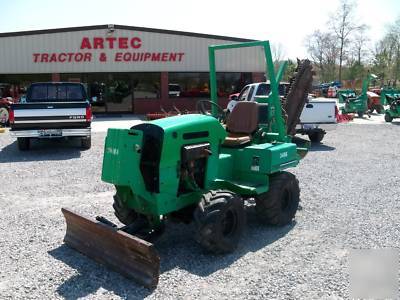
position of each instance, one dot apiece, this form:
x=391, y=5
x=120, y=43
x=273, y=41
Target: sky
x=283, y=22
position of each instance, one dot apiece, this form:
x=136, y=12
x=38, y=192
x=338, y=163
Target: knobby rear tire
x=278, y=206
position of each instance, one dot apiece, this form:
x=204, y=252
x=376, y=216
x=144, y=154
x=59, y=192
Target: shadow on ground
x=177, y=249
x=42, y=150
x=92, y=276
x=321, y=147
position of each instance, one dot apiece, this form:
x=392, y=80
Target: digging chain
x=296, y=95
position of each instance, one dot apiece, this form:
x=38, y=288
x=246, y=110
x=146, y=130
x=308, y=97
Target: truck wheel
x=278, y=206
x=220, y=219
x=123, y=213
x=4, y=115
x=316, y=136
x=360, y=114
x=23, y=143
x=86, y=142
x=388, y=118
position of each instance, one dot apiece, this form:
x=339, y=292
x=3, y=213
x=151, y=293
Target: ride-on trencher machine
x=391, y=97
x=356, y=104
x=190, y=168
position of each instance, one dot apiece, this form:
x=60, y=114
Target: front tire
x=388, y=118
x=220, y=219
x=278, y=206
x=123, y=213
x=23, y=143
x=316, y=136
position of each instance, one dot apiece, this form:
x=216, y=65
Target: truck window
x=263, y=90
x=56, y=92
x=243, y=94
x=282, y=89
x=250, y=94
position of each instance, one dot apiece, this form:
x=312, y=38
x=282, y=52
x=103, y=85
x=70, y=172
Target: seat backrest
x=243, y=118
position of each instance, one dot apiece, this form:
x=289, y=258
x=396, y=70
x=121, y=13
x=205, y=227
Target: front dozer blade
x=129, y=255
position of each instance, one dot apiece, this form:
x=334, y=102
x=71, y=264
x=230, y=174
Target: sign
x=127, y=50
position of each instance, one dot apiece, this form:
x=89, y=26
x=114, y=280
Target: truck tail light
x=11, y=117
x=88, y=114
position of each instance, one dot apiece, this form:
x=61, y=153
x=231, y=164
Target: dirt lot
x=350, y=199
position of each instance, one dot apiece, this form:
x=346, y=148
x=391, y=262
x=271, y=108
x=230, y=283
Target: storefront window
x=146, y=85
x=14, y=85
x=229, y=83
x=188, y=85
x=196, y=85
x=115, y=92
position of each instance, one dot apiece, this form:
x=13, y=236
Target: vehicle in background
x=5, y=104
x=391, y=97
x=374, y=103
x=323, y=88
x=52, y=110
x=317, y=117
x=174, y=90
x=233, y=97
x=357, y=103
x=376, y=90
x=6, y=100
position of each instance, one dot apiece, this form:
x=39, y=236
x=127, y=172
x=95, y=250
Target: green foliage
x=290, y=68
x=354, y=71
x=386, y=56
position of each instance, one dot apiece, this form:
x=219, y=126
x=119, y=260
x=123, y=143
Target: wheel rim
x=229, y=223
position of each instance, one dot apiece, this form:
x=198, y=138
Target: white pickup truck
x=317, y=116
x=52, y=110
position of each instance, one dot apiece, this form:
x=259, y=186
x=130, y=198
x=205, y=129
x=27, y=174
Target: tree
x=359, y=47
x=290, y=68
x=394, y=38
x=321, y=46
x=278, y=52
x=343, y=25
x=386, y=55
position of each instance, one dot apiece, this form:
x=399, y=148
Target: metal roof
x=135, y=28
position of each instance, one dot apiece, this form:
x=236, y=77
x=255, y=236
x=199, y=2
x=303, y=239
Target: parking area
x=349, y=199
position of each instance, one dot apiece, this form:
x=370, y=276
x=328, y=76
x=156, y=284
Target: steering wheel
x=200, y=106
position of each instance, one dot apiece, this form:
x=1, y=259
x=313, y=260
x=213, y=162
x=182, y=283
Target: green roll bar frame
x=274, y=81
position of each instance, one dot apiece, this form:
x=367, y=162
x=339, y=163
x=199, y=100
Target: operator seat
x=241, y=123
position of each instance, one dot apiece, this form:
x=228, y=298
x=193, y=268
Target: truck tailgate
x=319, y=111
x=47, y=115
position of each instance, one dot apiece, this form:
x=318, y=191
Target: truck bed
x=319, y=111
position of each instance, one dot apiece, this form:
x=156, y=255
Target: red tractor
x=6, y=100
x=374, y=102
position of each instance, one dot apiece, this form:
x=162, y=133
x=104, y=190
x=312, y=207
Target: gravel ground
x=350, y=199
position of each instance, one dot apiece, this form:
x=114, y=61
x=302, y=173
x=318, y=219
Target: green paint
x=391, y=97
x=356, y=104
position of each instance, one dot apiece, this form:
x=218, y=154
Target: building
x=128, y=69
